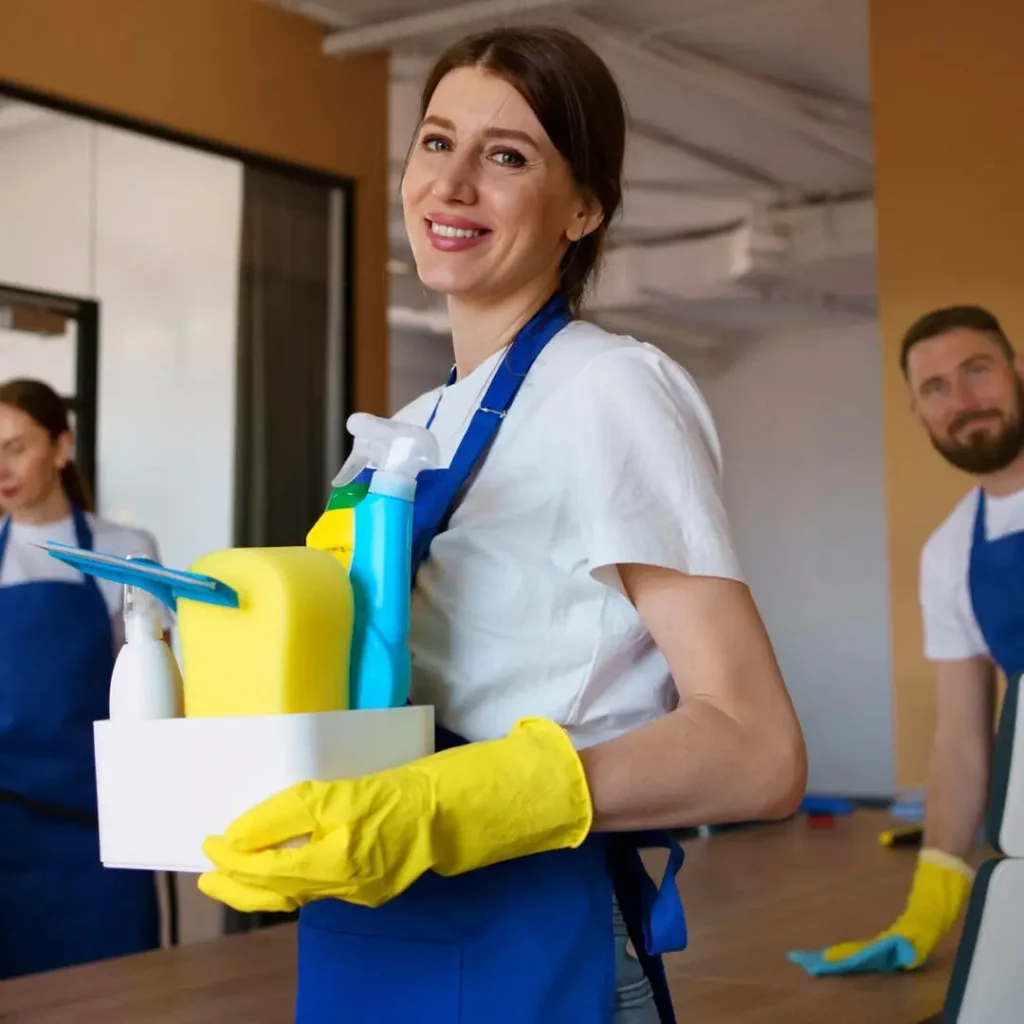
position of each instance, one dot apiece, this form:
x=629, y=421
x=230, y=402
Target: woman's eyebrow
x=491, y=133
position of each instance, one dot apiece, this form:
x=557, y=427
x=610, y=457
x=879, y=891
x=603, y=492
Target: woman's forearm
x=695, y=766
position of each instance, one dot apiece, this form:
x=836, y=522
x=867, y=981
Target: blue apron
x=996, y=579
x=58, y=905
x=527, y=941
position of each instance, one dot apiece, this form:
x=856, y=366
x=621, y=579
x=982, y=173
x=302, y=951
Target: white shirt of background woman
x=25, y=562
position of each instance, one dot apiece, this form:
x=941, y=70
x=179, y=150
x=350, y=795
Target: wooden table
x=751, y=895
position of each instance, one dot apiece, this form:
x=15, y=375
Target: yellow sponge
x=284, y=649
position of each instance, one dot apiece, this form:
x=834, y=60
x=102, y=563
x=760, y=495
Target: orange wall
x=236, y=72
x=948, y=97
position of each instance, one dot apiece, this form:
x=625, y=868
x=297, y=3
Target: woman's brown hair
x=40, y=402
x=578, y=104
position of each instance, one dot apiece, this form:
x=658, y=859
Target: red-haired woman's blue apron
x=58, y=905
x=528, y=941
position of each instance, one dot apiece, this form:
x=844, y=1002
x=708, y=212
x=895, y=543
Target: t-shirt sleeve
x=645, y=468
x=949, y=632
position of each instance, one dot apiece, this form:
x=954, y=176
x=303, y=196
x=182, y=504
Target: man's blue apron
x=996, y=578
x=528, y=941
x=58, y=905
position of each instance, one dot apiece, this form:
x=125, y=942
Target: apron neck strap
x=83, y=533
x=980, y=529
x=434, y=511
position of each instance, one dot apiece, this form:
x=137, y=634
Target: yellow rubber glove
x=940, y=887
x=370, y=838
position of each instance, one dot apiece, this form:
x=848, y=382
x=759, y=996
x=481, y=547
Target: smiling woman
x=579, y=620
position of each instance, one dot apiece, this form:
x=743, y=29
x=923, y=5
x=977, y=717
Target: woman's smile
x=454, y=234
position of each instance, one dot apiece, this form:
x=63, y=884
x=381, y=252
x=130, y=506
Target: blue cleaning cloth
x=886, y=956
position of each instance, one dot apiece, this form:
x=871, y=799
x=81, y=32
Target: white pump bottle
x=146, y=682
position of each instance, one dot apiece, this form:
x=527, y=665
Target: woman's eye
x=434, y=144
x=508, y=158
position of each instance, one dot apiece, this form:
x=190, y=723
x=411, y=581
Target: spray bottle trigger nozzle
x=396, y=448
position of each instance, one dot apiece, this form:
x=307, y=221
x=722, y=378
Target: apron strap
x=85, y=541
x=653, y=914
x=83, y=533
x=432, y=517
x=980, y=535
x=664, y=923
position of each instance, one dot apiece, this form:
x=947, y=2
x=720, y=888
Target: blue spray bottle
x=368, y=526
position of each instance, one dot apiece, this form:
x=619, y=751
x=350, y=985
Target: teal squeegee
x=165, y=584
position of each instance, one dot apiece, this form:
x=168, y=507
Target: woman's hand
x=366, y=840
x=733, y=749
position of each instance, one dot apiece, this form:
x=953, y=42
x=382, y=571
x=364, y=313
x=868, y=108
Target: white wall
x=50, y=357
x=800, y=418
x=46, y=205
x=167, y=248
x=152, y=231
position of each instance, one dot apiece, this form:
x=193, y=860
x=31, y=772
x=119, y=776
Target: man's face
x=969, y=397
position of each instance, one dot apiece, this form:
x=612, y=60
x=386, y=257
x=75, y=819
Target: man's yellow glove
x=940, y=887
x=370, y=838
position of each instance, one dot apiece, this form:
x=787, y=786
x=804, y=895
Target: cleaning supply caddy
x=295, y=664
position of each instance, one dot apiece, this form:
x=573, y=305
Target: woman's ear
x=586, y=219
x=63, y=450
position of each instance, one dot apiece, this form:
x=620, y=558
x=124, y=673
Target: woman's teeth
x=447, y=232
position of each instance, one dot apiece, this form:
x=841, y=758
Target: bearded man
x=966, y=391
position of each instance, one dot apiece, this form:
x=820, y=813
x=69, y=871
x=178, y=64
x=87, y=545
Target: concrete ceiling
x=748, y=206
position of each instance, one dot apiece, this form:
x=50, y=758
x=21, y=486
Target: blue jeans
x=634, y=1000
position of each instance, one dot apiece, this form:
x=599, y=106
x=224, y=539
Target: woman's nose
x=455, y=182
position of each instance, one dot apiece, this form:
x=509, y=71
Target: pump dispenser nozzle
x=142, y=618
x=396, y=451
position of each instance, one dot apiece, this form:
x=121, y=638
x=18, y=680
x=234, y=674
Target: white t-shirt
x=25, y=562
x=608, y=455
x=951, y=631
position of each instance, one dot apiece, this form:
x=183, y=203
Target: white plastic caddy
x=164, y=785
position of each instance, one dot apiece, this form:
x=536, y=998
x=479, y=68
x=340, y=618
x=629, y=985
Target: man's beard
x=984, y=453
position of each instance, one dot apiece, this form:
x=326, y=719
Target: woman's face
x=490, y=204
x=30, y=461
